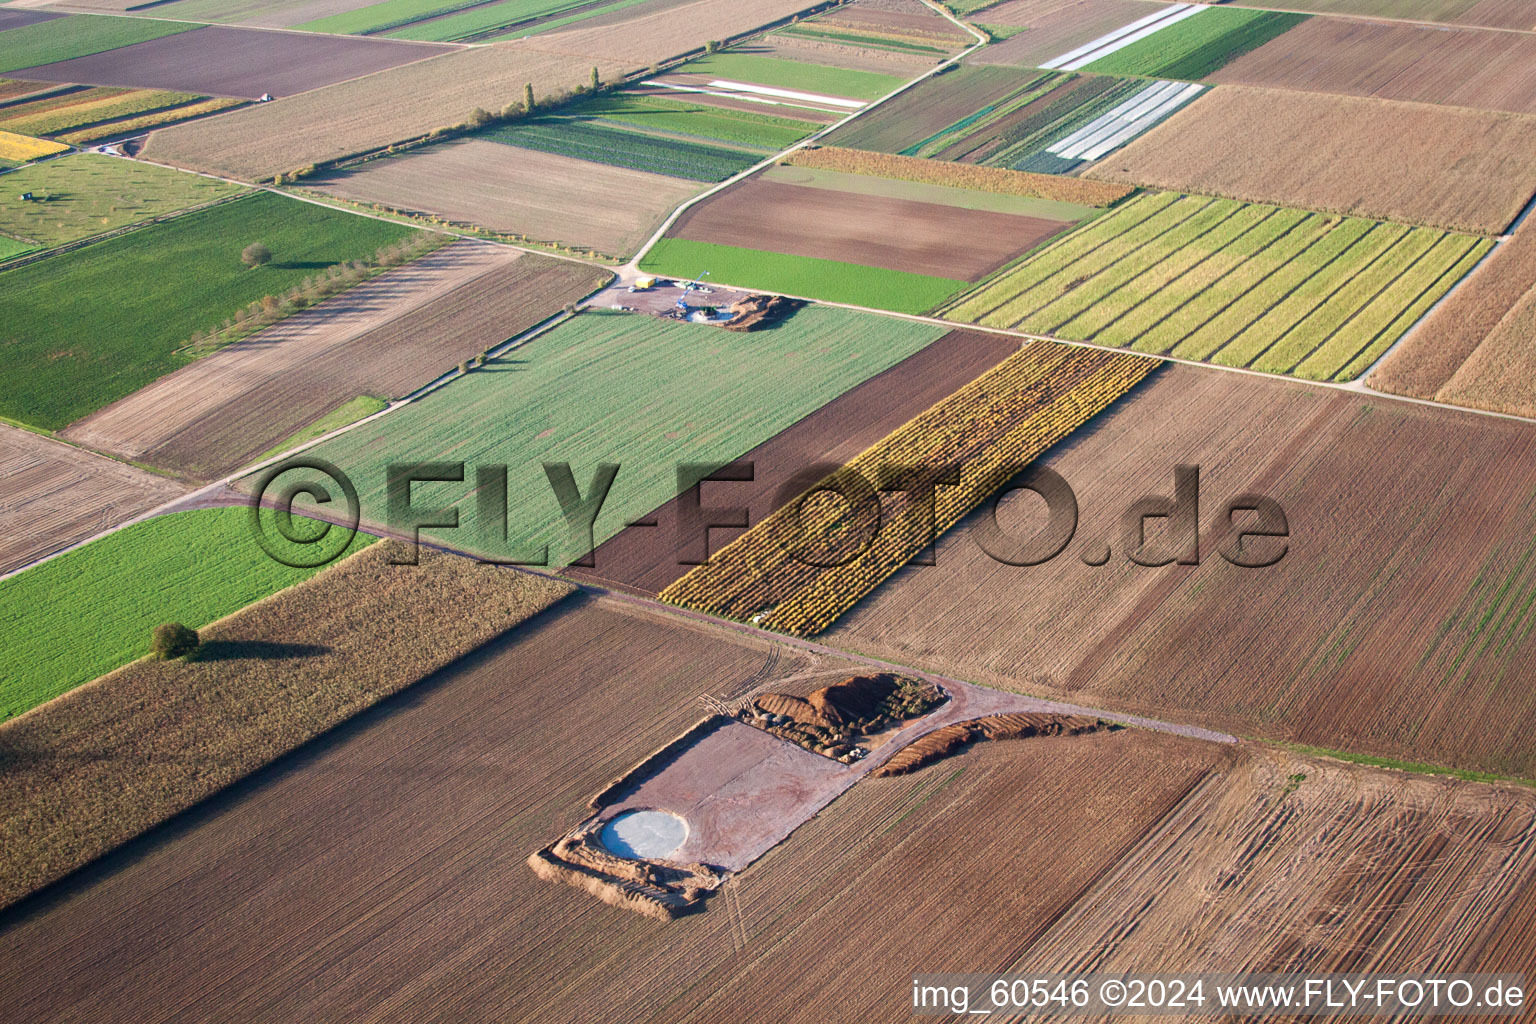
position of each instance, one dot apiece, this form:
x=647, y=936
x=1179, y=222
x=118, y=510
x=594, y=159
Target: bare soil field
x=254, y=13
x=521, y=192
x=1395, y=624
x=1053, y=28
x=1487, y=13
x=384, y=338
x=819, y=51
x=1421, y=164
x=219, y=61
x=1458, y=67
x=393, y=848
x=658, y=35
x=1290, y=863
x=1475, y=338
x=16, y=19
x=368, y=113
x=647, y=559
x=926, y=109
x=57, y=494
x=92, y=769
x=898, y=234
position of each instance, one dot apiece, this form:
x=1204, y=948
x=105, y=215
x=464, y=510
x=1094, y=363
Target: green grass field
x=1198, y=46
x=623, y=147
x=830, y=280
x=789, y=74
x=87, y=327
x=78, y=35
x=10, y=247
x=717, y=124
x=381, y=17
x=91, y=610
x=622, y=388
x=88, y=193
x=482, y=20
x=1248, y=285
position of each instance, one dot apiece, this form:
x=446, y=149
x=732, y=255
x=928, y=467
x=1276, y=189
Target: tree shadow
x=255, y=650
x=301, y=264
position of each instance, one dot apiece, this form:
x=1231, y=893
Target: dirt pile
x=837, y=720
x=661, y=891
x=941, y=743
x=758, y=311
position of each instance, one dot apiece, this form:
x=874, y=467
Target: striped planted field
x=1319, y=296
x=813, y=559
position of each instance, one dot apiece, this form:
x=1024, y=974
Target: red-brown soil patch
x=897, y=234
x=243, y=62
x=1460, y=67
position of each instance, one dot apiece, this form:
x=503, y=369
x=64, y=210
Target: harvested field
x=1054, y=28
x=1462, y=327
x=544, y=707
x=1366, y=157
x=57, y=495
x=653, y=395
x=136, y=125
x=1501, y=374
x=220, y=61
x=59, y=39
x=92, y=609
x=383, y=338
x=1458, y=67
x=90, y=194
x=876, y=231
x=937, y=172
x=85, y=774
x=66, y=367
x=1393, y=626
x=525, y=193
x=648, y=559
x=1486, y=13
x=366, y=114
x=798, y=572
x=658, y=35
x=1263, y=287
x=819, y=48
x=1319, y=866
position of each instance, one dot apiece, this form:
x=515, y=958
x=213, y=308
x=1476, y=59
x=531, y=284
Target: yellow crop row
x=988, y=430
x=20, y=148
x=160, y=117
x=972, y=176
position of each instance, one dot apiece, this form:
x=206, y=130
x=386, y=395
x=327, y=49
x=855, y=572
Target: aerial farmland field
x=1464, y=170
x=382, y=339
x=1461, y=68
x=735, y=511
x=50, y=306
x=524, y=193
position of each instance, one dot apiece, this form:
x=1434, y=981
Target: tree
x=712, y=46
x=255, y=254
x=173, y=640
x=528, y=101
x=480, y=117
x=597, y=83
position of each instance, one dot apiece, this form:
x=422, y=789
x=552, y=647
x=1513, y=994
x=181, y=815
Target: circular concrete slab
x=644, y=835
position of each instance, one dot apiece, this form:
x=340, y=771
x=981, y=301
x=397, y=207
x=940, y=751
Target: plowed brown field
x=521, y=192
x=56, y=495
x=1459, y=67
x=220, y=61
x=384, y=338
x=1396, y=624
x=649, y=558
x=1462, y=169
x=873, y=231
x=1488, y=13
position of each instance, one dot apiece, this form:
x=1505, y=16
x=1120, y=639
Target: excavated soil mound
x=941, y=743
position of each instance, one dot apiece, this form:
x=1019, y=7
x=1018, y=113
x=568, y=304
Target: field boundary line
x=633, y=265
